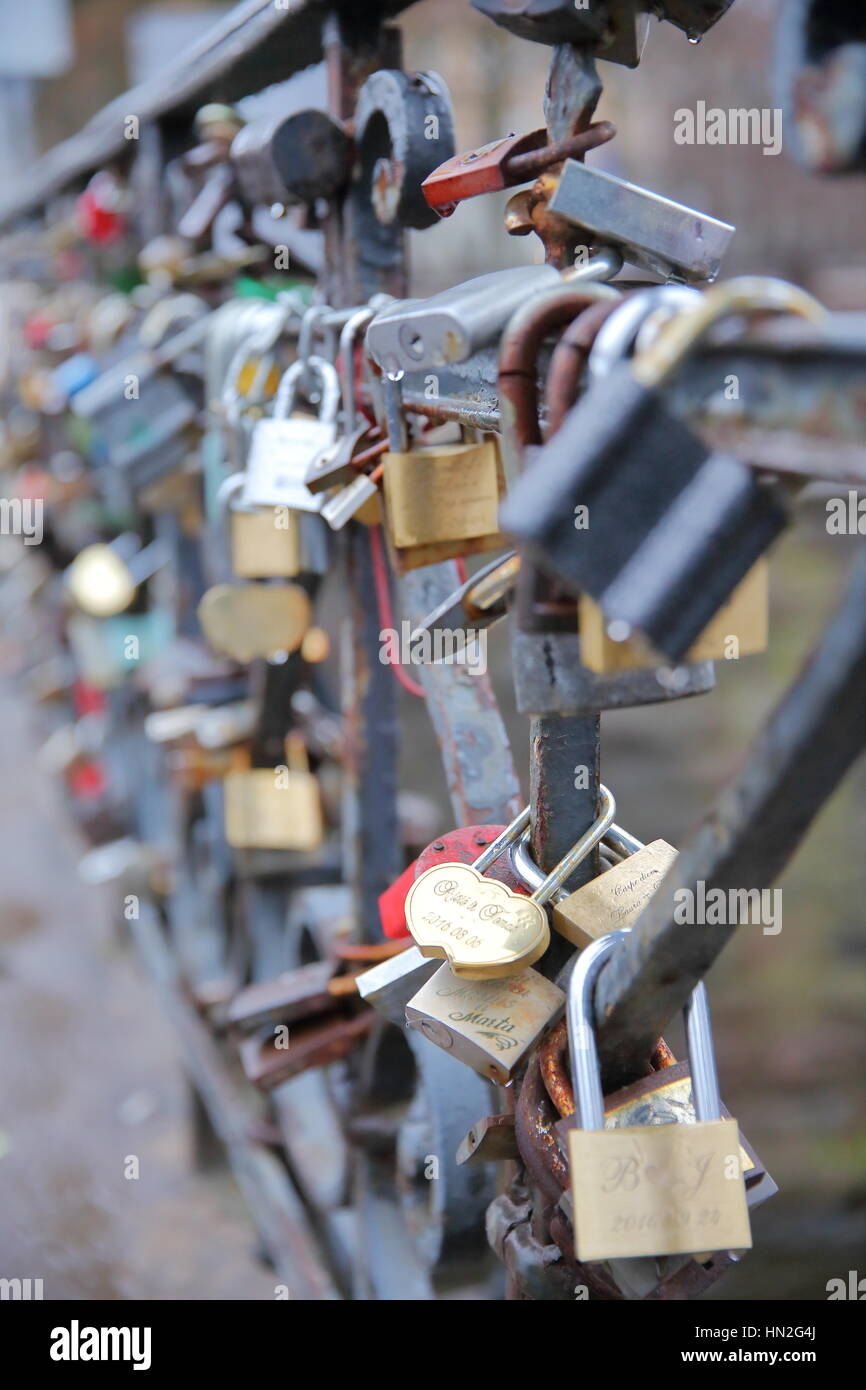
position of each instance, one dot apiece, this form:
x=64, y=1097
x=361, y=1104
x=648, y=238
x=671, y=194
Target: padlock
x=647, y=229
x=414, y=334
x=264, y=542
x=504, y=163
x=631, y=872
x=608, y=29
x=284, y=446
x=275, y=808
x=549, y=677
x=739, y=628
x=490, y=1025
x=615, y=898
x=457, y=846
x=667, y=543
x=389, y=986
x=659, y=1189
x=481, y=927
x=442, y=501
x=245, y=621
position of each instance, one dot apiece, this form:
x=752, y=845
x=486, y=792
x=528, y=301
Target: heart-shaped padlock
x=480, y=926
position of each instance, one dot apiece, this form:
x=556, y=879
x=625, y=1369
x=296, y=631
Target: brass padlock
x=614, y=899
x=442, y=501
x=739, y=628
x=245, y=621
x=482, y=927
x=275, y=807
x=651, y=1189
x=488, y=1024
x=263, y=542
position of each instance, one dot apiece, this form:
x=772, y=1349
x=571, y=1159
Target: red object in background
x=98, y=210
x=37, y=329
x=33, y=483
x=87, y=699
x=460, y=846
x=88, y=781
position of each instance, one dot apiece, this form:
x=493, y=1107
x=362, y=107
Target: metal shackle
x=295, y=375
x=354, y=325
x=228, y=491
x=583, y=1052
x=547, y=886
x=619, y=333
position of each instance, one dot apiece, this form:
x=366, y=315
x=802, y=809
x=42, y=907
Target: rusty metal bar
x=256, y=44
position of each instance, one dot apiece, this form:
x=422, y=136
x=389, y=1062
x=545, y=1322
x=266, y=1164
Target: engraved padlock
x=630, y=873
x=490, y=1025
x=614, y=899
x=284, y=446
x=657, y=1189
x=482, y=927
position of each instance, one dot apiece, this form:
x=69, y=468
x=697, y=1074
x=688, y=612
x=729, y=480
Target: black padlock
x=669, y=527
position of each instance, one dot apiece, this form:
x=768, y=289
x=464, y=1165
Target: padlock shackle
x=619, y=332
x=293, y=376
x=702, y=1056
x=357, y=322
x=505, y=838
x=583, y=1050
x=746, y=294
x=615, y=839
x=578, y=852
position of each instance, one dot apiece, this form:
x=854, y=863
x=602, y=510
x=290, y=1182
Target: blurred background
x=91, y=1072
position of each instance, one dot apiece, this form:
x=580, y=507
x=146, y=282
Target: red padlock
x=505, y=163
x=460, y=846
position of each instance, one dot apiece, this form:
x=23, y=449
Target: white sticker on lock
x=283, y=449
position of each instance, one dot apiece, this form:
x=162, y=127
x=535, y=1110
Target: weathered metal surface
x=809, y=742
x=476, y=754
x=821, y=71
x=278, y=1213
x=255, y=44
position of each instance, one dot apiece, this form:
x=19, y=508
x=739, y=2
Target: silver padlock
x=669, y=1187
x=282, y=448
x=649, y=230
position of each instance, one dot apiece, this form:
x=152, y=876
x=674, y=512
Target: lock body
x=615, y=899
x=655, y=1186
x=488, y=1024
x=265, y=543
x=245, y=621
x=273, y=808
x=444, y=493
x=739, y=628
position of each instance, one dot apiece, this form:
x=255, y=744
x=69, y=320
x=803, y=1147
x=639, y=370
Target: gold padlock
x=265, y=543
x=275, y=807
x=245, y=621
x=442, y=501
x=651, y=1189
x=740, y=628
x=614, y=899
x=488, y=1024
